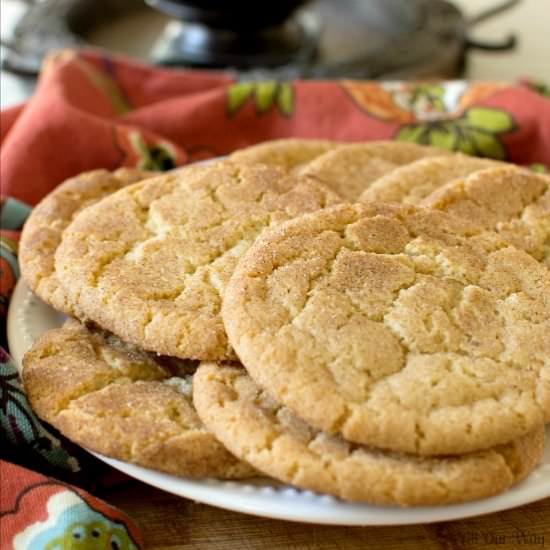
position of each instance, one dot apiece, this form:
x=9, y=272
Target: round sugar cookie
x=256, y=428
x=120, y=402
x=510, y=200
x=43, y=229
x=398, y=327
x=150, y=262
x=289, y=154
x=411, y=183
x=350, y=169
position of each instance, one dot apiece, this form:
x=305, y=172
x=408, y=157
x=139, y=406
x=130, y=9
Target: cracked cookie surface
x=396, y=326
x=352, y=168
x=43, y=230
x=512, y=201
x=151, y=262
x=289, y=154
x=412, y=183
x=118, y=401
x=257, y=429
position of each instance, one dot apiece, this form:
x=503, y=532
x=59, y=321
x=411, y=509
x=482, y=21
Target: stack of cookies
x=366, y=320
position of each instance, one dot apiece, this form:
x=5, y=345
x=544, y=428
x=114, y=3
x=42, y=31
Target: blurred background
x=367, y=39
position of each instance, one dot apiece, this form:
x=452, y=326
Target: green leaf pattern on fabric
x=443, y=137
x=237, y=94
x=428, y=98
x=158, y=157
x=538, y=168
x=489, y=120
x=476, y=132
x=266, y=95
x=285, y=99
x=540, y=87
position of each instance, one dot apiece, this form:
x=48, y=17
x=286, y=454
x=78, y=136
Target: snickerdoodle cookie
x=120, y=402
x=150, y=263
x=413, y=182
x=289, y=154
x=257, y=429
x=510, y=200
x=42, y=232
x=350, y=169
x=400, y=327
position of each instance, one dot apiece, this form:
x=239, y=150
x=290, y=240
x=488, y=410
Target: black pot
x=230, y=15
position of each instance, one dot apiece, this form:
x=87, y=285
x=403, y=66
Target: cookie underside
x=269, y=436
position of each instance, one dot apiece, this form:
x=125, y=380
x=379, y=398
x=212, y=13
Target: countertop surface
x=173, y=523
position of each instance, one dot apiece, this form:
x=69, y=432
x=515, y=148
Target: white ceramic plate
x=29, y=317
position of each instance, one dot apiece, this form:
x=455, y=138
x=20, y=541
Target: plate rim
x=199, y=490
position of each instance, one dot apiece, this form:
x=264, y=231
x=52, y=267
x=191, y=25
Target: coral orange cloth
x=41, y=513
x=94, y=111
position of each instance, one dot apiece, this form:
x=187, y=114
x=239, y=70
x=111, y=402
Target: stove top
x=373, y=39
